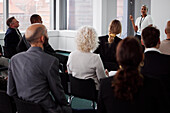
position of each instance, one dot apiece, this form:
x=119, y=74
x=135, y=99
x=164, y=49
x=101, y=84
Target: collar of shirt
x=151, y=49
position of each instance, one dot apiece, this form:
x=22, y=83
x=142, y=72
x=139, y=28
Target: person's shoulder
x=103, y=38
x=117, y=38
x=18, y=55
x=148, y=17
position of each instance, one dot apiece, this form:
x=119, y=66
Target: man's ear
x=165, y=31
x=142, y=41
x=42, y=39
x=159, y=42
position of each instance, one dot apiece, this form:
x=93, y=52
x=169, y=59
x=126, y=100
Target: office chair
x=64, y=79
x=27, y=107
x=6, y=103
x=83, y=88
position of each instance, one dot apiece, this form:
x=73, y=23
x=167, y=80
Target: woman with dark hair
x=129, y=91
x=108, y=44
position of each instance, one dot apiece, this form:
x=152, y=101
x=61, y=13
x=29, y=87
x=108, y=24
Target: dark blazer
x=33, y=75
x=11, y=41
x=151, y=98
x=108, y=52
x=157, y=65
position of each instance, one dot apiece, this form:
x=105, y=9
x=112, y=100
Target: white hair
x=86, y=39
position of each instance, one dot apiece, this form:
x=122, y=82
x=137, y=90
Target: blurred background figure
x=12, y=37
x=165, y=44
x=141, y=22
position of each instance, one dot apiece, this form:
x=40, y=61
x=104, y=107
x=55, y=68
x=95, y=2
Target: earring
x=141, y=64
x=120, y=66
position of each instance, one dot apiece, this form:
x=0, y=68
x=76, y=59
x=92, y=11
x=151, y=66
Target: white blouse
x=86, y=65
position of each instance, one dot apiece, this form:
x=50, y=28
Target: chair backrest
x=83, y=88
x=6, y=105
x=27, y=107
x=64, y=79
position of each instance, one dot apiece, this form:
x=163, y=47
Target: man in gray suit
x=34, y=74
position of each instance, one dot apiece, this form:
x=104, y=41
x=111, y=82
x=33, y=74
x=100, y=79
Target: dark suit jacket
x=151, y=98
x=33, y=75
x=157, y=65
x=11, y=41
x=108, y=52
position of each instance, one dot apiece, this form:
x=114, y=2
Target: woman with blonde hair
x=108, y=44
x=82, y=63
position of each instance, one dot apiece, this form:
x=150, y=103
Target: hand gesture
x=131, y=17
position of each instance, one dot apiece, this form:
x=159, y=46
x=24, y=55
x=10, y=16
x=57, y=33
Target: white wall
x=103, y=12
x=63, y=40
x=160, y=14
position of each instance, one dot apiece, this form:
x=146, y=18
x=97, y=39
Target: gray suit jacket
x=34, y=76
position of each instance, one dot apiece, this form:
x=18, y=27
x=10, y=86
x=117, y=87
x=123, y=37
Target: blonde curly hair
x=86, y=39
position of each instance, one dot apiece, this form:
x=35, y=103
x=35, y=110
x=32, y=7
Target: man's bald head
x=34, y=32
x=167, y=29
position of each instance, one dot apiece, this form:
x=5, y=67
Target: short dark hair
x=9, y=21
x=150, y=36
x=34, y=18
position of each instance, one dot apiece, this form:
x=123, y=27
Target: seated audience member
x=82, y=63
x=108, y=44
x=165, y=44
x=12, y=37
x=129, y=91
x=34, y=74
x=156, y=64
x=24, y=45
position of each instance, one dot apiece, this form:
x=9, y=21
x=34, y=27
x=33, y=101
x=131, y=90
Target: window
x=1, y=15
x=23, y=9
x=79, y=13
x=122, y=15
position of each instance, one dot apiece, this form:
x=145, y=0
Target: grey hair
x=86, y=39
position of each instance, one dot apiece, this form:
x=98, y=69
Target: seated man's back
x=34, y=74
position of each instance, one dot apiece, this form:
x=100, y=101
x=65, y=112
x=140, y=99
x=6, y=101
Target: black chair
x=64, y=79
x=83, y=88
x=27, y=107
x=6, y=103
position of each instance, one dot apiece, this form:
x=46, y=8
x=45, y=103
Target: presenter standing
x=141, y=22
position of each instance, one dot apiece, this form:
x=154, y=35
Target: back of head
x=168, y=28
x=35, y=18
x=34, y=32
x=129, y=53
x=9, y=21
x=86, y=39
x=150, y=37
x=128, y=79
x=115, y=27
